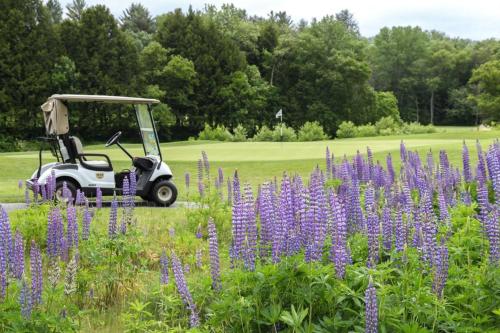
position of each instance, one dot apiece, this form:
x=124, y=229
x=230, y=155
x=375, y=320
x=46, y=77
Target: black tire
x=71, y=187
x=164, y=193
x=145, y=197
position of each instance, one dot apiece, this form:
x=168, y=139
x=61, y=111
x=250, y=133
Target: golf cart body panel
x=86, y=172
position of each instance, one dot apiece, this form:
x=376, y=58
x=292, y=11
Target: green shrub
x=387, y=126
x=367, y=130
x=263, y=134
x=219, y=133
x=416, y=128
x=347, y=129
x=239, y=134
x=312, y=131
x=386, y=105
x=287, y=135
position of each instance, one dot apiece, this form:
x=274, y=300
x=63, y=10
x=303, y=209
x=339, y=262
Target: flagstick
x=281, y=128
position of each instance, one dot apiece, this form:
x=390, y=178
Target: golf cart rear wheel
x=164, y=193
x=59, y=191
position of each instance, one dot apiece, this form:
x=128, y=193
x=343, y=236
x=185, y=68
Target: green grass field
x=256, y=161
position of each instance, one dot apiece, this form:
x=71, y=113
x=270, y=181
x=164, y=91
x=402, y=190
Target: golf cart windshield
x=147, y=129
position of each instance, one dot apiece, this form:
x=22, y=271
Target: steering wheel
x=113, y=139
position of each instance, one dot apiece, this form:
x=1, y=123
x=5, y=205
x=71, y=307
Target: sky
x=478, y=19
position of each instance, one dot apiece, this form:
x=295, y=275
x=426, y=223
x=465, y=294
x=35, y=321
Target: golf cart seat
x=143, y=163
x=95, y=165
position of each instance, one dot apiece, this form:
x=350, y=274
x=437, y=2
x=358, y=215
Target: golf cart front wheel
x=164, y=193
x=65, y=197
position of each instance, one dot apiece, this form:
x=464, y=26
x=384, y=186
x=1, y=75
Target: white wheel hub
x=164, y=193
x=59, y=195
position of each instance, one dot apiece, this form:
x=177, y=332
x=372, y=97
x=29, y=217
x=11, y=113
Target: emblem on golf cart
x=99, y=175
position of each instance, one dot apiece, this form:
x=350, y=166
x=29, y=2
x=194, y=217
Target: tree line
x=222, y=66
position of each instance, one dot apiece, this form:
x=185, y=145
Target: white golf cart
x=86, y=171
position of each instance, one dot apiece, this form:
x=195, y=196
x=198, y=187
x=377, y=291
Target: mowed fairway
x=256, y=161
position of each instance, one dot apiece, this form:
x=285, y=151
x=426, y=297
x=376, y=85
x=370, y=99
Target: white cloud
x=477, y=19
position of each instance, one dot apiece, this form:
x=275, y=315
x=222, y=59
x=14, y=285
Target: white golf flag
x=279, y=114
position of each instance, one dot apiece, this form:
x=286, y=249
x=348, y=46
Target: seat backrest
x=78, y=144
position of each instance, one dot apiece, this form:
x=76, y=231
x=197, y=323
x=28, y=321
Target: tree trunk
x=272, y=75
x=416, y=105
x=432, y=107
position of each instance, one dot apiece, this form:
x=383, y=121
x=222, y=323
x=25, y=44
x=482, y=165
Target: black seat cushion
x=143, y=163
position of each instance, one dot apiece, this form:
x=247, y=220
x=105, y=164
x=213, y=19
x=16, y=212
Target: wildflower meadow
x=358, y=246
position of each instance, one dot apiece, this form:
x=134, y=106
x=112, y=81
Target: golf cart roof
x=103, y=99
x=55, y=112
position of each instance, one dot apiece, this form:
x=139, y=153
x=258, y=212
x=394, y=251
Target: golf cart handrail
x=104, y=99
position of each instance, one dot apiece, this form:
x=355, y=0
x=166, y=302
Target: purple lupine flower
x=440, y=270
x=400, y=231
x=481, y=167
x=3, y=269
x=66, y=193
x=25, y=301
x=55, y=232
x=27, y=199
x=125, y=192
x=339, y=238
x=199, y=258
x=180, y=283
x=78, y=199
x=206, y=164
x=430, y=163
x=72, y=227
x=112, y=218
x=86, y=219
x=199, y=234
x=98, y=198
x=443, y=207
x=220, y=176
x=390, y=169
x=35, y=190
x=372, y=224
x=20, y=184
x=250, y=226
x=200, y=178
x=402, y=151
x=369, y=198
x=494, y=170
x=328, y=163
x=164, y=268
x=466, y=164
x=214, y=255
x=187, y=178
x=200, y=171
x=43, y=189
x=123, y=226
x=387, y=228
x=187, y=268
x=369, y=156
x=133, y=186
x=64, y=249
x=320, y=208
x=482, y=200
x=238, y=220
x=371, y=314
x=493, y=234
x=268, y=219
x=287, y=217
x=6, y=244
x=18, y=269
x=36, y=273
